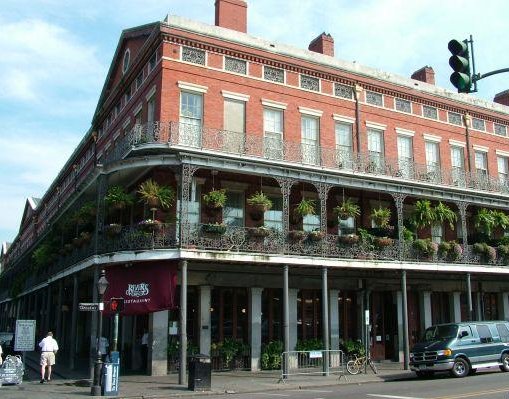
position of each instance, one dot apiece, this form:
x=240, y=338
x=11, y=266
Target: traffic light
x=116, y=305
x=461, y=78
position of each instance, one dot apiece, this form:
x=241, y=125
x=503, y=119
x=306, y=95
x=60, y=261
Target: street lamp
x=102, y=285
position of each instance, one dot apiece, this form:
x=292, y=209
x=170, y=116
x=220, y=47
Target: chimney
x=502, y=97
x=425, y=74
x=232, y=14
x=323, y=44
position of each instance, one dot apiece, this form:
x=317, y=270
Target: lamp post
x=102, y=285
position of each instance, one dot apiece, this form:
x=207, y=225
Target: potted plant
x=215, y=199
x=450, y=251
x=347, y=209
x=381, y=216
x=316, y=235
x=259, y=202
x=149, y=224
x=117, y=198
x=296, y=235
x=305, y=207
x=85, y=214
x=348, y=239
x=425, y=248
x=382, y=242
x=214, y=228
x=488, y=253
x=155, y=195
x=424, y=214
x=113, y=229
x=444, y=214
x=503, y=253
x=259, y=232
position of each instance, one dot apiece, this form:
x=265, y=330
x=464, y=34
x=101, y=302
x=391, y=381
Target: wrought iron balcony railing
x=276, y=150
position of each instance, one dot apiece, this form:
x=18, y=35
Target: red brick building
x=382, y=189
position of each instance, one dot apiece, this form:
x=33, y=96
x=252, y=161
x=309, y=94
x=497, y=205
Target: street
x=487, y=384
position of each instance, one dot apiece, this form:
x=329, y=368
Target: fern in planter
x=118, y=198
x=424, y=214
x=347, y=209
x=260, y=202
x=381, y=216
x=444, y=214
x=155, y=195
x=215, y=199
x=305, y=207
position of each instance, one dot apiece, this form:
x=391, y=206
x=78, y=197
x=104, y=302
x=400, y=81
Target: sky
x=55, y=54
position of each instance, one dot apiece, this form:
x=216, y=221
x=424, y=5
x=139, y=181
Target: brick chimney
x=232, y=14
x=323, y=44
x=502, y=97
x=425, y=74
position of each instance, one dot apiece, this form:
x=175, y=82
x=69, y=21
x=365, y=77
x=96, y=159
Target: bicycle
x=356, y=366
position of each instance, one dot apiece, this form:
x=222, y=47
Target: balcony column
x=334, y=319
x=47, y=312
x=323, y=194
x=255, y=326
x=205, y=325
x=182, y=379
x=470, y=309
x=462, y=209
x=293, y=294
x=455, y=299
x=286, y=320
x=74, y=321
x=399, y=199
x=425, y=309
x=188, y=171
x=94, y=320
x=286, y=188
x=405, y=320
x=102, y=187
x=325, y=322
x=58, y=327
x=503, y=306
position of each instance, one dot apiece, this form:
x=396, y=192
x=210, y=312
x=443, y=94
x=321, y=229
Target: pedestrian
x=144, y=350
x=1, y=361
x=49, y=348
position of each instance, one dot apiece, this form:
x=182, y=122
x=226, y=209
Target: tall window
x=502, y=171
x=151, y=107
x=375, y=148
x=405, y=157
x=436, y=233
x=310, y=132
x=311, y=222
x=234, y=125
x=273, y=218
x=191, y=114
x=458, y=166
x=233, y=213
x=432, y=159
x=481, y=164
x=344, y=148
x=273, y=133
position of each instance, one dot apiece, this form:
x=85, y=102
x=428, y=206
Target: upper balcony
x=275, y=150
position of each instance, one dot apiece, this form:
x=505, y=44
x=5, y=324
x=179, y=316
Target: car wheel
x=460, y=368
x=505, y=362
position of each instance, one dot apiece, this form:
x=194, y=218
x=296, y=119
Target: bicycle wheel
x=373, y=367
x=353, y=367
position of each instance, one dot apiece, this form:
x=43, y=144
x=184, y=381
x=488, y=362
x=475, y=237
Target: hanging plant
x=424, y=215
x=485, y=221
x=260, y=201
x=348, y=239
x=215, y=199
x=259, y=232
x=296, y=235
x=382, y=242
x=381, y=216
x=305, y=207
x=155, y=195
x=316, y=235
x=444, y=214
x=118, y=198
x=347, y=209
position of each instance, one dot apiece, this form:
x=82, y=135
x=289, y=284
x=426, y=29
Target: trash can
x=199, y=373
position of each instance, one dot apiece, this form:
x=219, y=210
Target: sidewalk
x=67, y=384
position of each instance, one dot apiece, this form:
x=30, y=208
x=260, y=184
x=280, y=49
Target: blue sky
x=55, y=55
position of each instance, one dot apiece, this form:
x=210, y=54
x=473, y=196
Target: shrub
x=309, y=345
x=354, y=348
x=271, y=355
x=425, y=247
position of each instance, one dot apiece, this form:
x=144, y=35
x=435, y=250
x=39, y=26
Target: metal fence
x=319, y=362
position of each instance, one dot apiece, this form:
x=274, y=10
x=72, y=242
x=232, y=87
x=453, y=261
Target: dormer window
x=127, y=60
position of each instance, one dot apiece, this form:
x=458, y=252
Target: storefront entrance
x=383, y=325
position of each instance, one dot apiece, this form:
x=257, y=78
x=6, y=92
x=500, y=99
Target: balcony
x=181, y=135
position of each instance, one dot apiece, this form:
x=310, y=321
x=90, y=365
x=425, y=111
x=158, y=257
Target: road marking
x=310, y=390
x=269, y=394
x=392, y=396
x=468, y=395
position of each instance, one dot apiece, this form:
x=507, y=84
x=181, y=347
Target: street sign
x=88, y=307
x=24, y=337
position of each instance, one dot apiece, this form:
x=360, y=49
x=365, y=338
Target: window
x=139, y=80
x=193, y=55
x=436, y=233
x=454, y=118
x=501, y=130
x=152, y=62
x=273, y=218
x=458, y=166
x=274, y=74
x=125, y=63
x=137, y=117
x=311, y=222
x=375, y=149
x=273, y=133
x=235, y=65
x=403, y=105
x=234, y=125
x=432, y=158
x=374, y=98
x=191, y=112
x=502, y=170
x=151, y=107
x=343, y=91
x=481, y=163
x=310, y=132
x=344, y=148
x=309, y=83
x=346, y=226
x=465, y=332
x=193, y=203
x=234, y=209
x=429, y=112
x=503, y=332
x=405, y=156
x=484, y=333
x=478, y=124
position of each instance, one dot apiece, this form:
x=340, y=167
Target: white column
x=255, y=327
x=334, y=319
x=503, y=306
x=158, y=343
x=292, y=303
x=479, y=312
x=456, y=307
x=360, y=316
x=399, y=304
x=425, y=309
x=205, y=319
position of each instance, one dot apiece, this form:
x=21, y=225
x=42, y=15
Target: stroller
x=12, y=370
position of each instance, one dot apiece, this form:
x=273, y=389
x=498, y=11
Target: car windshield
x=440, y=333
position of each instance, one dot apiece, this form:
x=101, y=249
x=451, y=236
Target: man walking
x=49, y=348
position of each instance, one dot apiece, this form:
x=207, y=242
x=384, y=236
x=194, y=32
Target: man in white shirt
x=49, y=348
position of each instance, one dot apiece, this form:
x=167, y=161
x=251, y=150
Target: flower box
x=214, y=229
x=349, y=239
x=296, y=235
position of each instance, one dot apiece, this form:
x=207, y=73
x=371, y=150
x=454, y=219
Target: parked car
x=7, y=342
x=461, y=348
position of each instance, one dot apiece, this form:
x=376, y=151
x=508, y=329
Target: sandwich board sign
x=24, y=337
